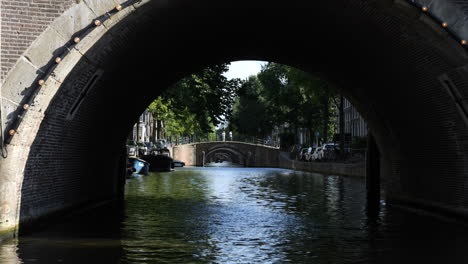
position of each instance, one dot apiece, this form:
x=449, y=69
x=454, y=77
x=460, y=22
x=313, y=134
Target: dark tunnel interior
x=382, y=55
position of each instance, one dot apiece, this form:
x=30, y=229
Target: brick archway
x=404, y=71
x=36, y=77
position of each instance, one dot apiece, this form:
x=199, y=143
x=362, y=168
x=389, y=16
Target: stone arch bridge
x=245, y=154
x=76, y=75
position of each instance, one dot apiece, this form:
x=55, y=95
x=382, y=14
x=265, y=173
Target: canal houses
x=143, y=129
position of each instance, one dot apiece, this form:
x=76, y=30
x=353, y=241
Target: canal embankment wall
x=261, y=156
x=351, y=169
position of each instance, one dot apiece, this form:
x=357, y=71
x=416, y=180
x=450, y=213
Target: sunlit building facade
x=145, y=128
x=353, y=121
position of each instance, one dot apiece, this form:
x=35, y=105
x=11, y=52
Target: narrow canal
x=241, y=215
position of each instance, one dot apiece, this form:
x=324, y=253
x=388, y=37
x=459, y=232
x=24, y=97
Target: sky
x=243, y=69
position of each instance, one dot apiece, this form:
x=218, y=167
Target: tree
x=208, y=94
x=196, y=104
x=250, y=116
x=315, y=106
x=161, y=110
x=284, y=96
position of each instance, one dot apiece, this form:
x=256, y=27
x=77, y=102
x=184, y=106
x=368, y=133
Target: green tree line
x=196, y=104
x=278, y=97
x=284, y=97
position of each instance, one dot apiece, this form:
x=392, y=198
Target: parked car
x=329, y=151
x=317, y=154
x=160, y=143
x=149, y=145
x=309, y=152
x=178, y=163
x=294, y=151
x=301, y=154
x=142, y=149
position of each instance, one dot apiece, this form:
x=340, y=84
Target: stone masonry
x=403, y=64
x=22, y=21
x=251, y=155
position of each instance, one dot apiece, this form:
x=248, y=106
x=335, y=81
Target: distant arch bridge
x=246, y=154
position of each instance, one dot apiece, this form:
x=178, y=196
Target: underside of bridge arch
x=405, y=74
x=225, y=154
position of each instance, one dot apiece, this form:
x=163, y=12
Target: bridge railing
x=200, y=139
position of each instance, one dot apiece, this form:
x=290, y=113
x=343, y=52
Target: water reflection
x=224, y=164
x=90, y=237
x=165, y=221
x=242, y=215
x=8, y=252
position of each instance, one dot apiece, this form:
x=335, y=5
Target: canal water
x=241, y=215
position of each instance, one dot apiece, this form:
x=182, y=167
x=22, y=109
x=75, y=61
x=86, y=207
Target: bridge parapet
x=247, y=154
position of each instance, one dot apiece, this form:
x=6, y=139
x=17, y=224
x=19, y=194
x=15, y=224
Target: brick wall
x=76, y=160
x=73, y=161
x=66, y=164
x=424, y=137
x=22, y=21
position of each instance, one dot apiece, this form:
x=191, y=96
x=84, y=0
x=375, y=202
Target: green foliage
x=197, y=103
x=250, y=113
x=287, y=139
x=160, y=108
x=281, y=95
x=208, y=94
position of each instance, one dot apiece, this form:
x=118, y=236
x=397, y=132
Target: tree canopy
x=279, y=96
x=283, y=96
x=251, y=115
x=197, y=103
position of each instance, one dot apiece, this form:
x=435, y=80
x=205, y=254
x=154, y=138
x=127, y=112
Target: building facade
x=145, y=130
x=353, y=121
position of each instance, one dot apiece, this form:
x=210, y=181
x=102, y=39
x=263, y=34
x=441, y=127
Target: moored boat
x=160, y=162
x=178, y=163
x=160, y=157
x=139, y=166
